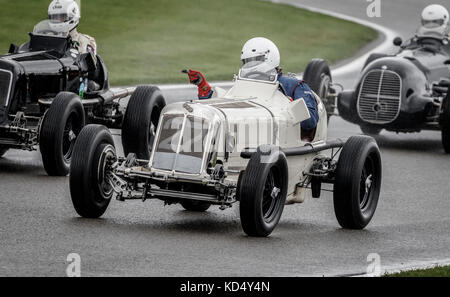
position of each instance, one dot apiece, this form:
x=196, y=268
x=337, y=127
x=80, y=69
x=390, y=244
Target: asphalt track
x=39, y=228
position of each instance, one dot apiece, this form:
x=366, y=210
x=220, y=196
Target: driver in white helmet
x=434, y=20
x=64, y=16
x=260, y=55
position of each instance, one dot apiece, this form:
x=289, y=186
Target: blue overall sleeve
x=303, y=91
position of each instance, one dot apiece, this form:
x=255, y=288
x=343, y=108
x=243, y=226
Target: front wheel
x=60, y=128
x=141, y=120
x=357, y=182
x=263, y=191
x=93, y=155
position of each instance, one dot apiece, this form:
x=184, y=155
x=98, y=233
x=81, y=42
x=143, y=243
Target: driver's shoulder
x=288, y=82
x=88, y=38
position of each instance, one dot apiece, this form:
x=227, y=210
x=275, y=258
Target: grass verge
x=432, y=272
x=150, y=41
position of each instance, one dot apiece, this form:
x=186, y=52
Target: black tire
x=62, y=123
x=141, y=120
x=373, y=57
x=357, y=182
x=318, y=77
x=197, y=206
x=370, y=130
x=89, y=192
x=346, y=106
x=445, y=123
x=3, y=151
x=260, y=212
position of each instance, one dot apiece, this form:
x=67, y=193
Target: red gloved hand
x=197, y=78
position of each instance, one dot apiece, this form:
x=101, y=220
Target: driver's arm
x=204, y=89
x=302, y=90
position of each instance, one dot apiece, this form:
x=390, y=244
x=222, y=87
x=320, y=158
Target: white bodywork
x=250, y=114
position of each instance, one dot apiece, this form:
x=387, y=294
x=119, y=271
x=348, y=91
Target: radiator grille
x=379, y=97
x=5, y=86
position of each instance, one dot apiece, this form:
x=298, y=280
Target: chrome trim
x=10, y=85
x=382, y=94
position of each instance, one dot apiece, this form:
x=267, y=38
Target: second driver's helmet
x=63, y=15
x=260, y=55
x=435, y=20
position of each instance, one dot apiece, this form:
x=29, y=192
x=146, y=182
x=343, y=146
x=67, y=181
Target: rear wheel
x=3, y=151
x=357, y=182
x=263, y=191
x=93, y=153
x=60, y=128
x=445, y=123
x=318, y=77
x=141, y=120
x=193, y=205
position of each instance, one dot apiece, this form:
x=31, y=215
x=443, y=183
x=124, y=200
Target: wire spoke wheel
x=366, y=183
x=68, y=138
x=271, y=195
x=263, y=190
x=58, y=132
x=107, y=158
x=357, y=182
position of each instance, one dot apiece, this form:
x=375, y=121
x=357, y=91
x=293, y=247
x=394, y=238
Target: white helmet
x=259, y=54
x=434, y=21
x=63, y=15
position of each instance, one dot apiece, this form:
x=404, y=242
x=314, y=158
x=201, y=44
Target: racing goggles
x=58, y=18
x=253, y=61
x=429, y=24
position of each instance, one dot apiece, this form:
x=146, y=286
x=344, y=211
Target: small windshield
x=246, y=73
x=44, y=28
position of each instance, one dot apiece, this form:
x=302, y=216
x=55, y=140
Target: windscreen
x=185, y=156
x=44, y=29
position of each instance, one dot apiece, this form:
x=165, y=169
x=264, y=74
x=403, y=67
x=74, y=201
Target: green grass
x=432, y=272
x=150, y=41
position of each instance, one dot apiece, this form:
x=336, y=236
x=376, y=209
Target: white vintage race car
x=246, y=146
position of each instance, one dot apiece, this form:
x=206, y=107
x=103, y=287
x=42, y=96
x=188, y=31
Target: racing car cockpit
x=43, y=38
x=49, y=44
x=426, y=43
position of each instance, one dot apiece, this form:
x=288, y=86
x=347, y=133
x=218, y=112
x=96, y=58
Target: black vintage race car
x=405, y=92
x=49, y=91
